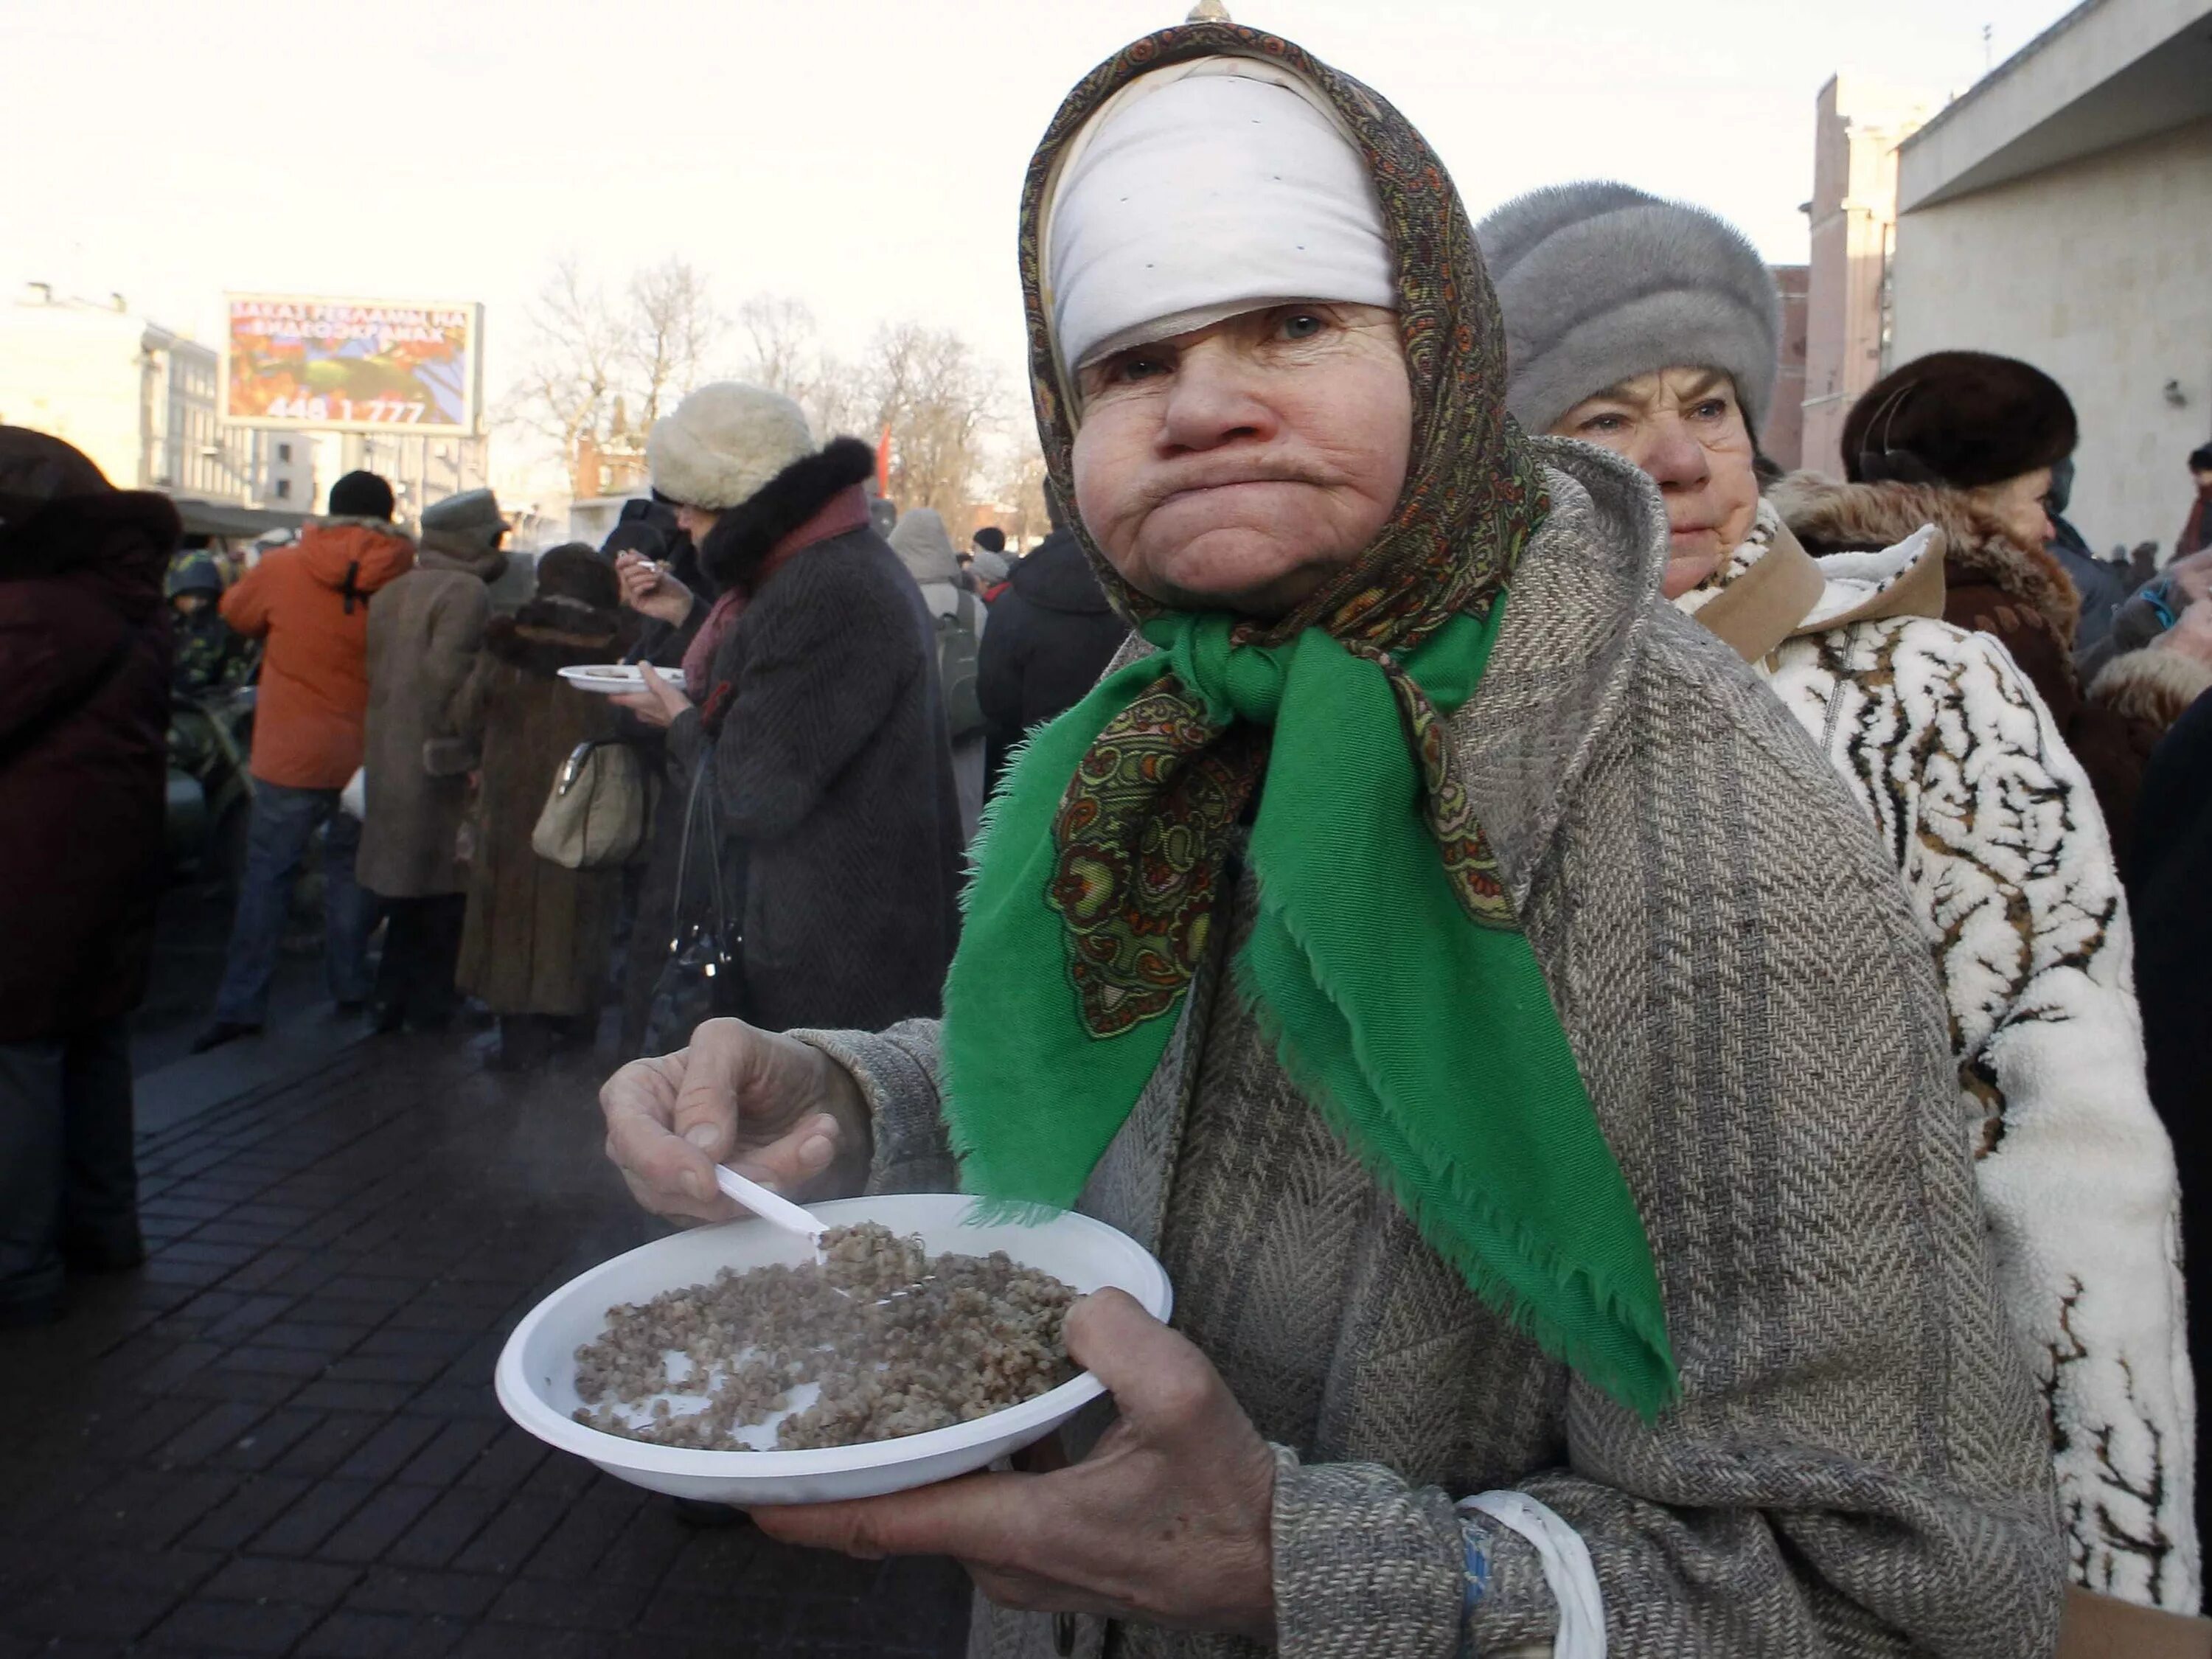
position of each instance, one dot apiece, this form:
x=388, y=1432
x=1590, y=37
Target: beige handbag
x=597, y=813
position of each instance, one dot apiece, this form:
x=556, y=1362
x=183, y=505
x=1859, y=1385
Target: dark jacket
x=2102, y=588
x=831, y=772
x=1052, y=634
x=84, y=715
x=2020, y=596
x=2171, y=897
x=537, y=935
x=2196, y=528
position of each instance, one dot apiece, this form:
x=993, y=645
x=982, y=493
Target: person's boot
x=525, y=1044
x=104, y=1249
x=222, y=1032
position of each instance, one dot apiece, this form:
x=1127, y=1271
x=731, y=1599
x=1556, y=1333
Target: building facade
x=1783, y=441
x=2060, y=212
x=143, y=401
x=1857, y=127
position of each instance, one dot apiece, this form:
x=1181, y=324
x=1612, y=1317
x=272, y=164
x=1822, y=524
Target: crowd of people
x=1607, y=972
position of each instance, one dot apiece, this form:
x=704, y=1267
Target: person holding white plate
x=807, y=750
x=1466, y=979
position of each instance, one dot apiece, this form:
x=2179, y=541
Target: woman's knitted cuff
x=896, y=1071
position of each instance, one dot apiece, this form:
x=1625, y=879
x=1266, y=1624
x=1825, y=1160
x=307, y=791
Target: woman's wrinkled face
x=2022, y=505
x=1242, y=466
x=1685, y=427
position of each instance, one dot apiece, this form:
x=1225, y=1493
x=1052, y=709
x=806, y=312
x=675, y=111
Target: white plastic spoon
x=770, y=1207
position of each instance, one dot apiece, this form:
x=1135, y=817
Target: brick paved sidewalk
x=280, y=1437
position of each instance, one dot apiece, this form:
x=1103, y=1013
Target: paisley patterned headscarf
x=1386, y=963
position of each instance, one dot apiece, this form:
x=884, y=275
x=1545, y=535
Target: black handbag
x=703, y=978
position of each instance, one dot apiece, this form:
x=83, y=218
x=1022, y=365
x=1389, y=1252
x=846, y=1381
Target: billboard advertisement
x=293, y=360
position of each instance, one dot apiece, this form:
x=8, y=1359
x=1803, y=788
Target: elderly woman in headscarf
x=1651, y=328
x=1450, y=962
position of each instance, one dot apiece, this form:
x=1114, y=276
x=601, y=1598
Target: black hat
x=575, y=571
x=1962, y=418
x=360, y=495
x=991, y=538
x=2200, y=460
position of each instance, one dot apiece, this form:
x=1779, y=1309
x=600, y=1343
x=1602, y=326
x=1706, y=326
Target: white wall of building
x=75, y=372
x=2100, y=272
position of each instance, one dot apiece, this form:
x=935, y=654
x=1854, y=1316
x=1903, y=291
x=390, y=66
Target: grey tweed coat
x=1857, y=1466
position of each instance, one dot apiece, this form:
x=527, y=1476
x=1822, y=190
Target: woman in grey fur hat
x=1650, y=327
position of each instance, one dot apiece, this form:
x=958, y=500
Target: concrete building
x=1858, y=126
x=2060, y=212
x=142, y=401
x=1783, y=441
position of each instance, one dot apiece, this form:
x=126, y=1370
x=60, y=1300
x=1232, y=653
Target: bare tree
x=785, y=353
x=942, y=403
x=673, y=329
x=574, y=367
x=1020, y=492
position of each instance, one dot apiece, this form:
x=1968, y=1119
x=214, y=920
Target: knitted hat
x=471, y=516
x=1601, y=282
x=991, y=538
x=723, y=443
x=573, y=571
x=990, y=567
x=1962, y=418
x=360, y=495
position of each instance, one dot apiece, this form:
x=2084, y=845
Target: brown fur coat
x=538, y=936
x=2020, y=595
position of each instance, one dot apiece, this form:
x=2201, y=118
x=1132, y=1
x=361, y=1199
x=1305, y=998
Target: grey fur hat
x=1600, y=282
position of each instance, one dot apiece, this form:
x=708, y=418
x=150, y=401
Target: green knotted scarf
x=1386, y=964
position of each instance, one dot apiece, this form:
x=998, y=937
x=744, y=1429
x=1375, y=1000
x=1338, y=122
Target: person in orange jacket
x=309, y=602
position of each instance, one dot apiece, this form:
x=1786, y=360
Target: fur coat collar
x=548, y=635
x=1834, y=518
x=742, y=537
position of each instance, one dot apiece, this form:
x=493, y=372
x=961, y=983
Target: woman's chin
x=1226, y=571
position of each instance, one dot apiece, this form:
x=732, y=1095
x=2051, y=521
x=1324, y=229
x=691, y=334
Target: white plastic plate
x=536, y=1374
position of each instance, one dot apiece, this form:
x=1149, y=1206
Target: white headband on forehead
x=1200, y=192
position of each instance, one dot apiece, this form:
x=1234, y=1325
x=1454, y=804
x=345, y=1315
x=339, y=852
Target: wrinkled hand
x=2190, y=634
x=1169, y=1520
x=658, y=704
x=650, y=589
x=774, y=1109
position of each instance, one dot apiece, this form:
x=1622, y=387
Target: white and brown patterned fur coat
x=2004, y=855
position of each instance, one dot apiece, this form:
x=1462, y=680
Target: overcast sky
x=864, y=156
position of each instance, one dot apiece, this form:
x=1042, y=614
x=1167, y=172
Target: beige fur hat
x=723, y=443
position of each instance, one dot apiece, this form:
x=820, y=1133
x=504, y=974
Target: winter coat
x=537, y=935
x=2196, y=528
x=2101, y=586
x=1993, y=585
x=1993, y=828
x=2171, y=899
x=832, y=775
x=1052, y=635
x=921, y=542
x=310, y=603
x=424, y=633
x=84, y=716
x=1856, y=1465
